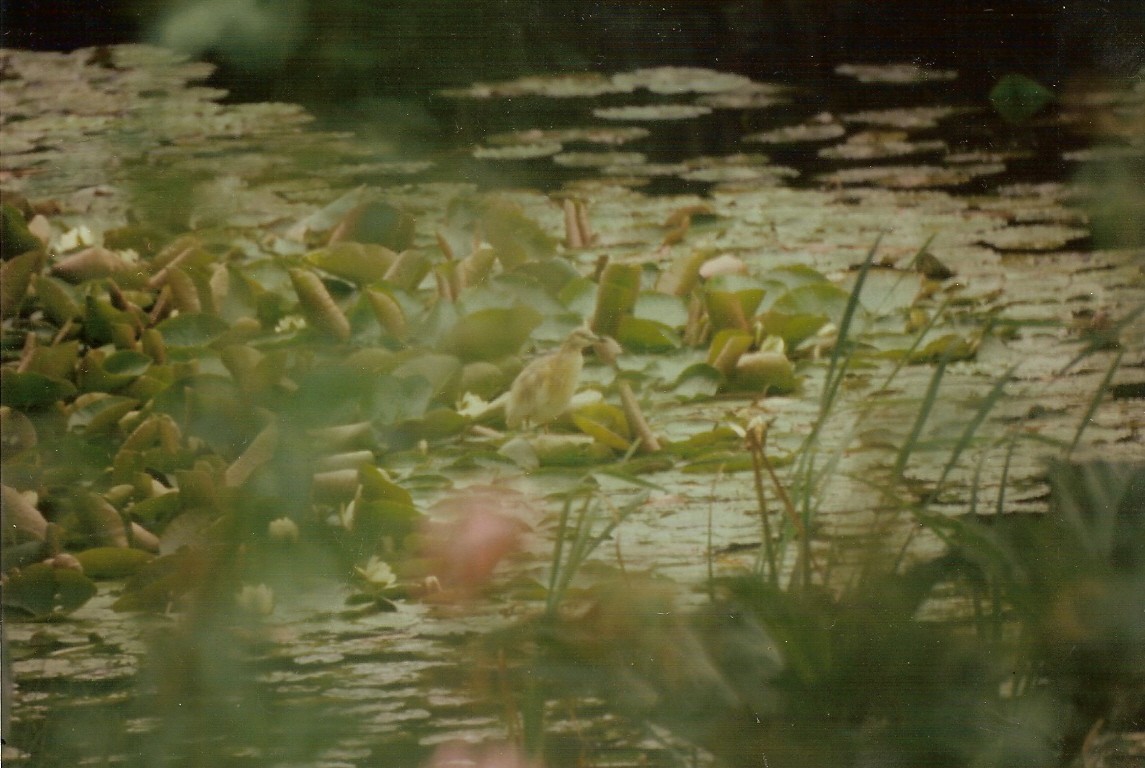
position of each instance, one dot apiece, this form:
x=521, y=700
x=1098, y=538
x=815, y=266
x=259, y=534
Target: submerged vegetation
x=796, y=509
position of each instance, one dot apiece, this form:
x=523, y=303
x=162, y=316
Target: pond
x=850, y=318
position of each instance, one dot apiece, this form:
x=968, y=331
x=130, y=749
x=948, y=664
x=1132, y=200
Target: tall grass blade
x=920, y=419
x=1095, y=402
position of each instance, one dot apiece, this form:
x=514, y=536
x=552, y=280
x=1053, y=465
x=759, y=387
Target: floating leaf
x=441, y=372
x=382, y=506
x=697, y=381
x=20, y=516
x=165, y=579
x=98, y=412
x=489, y=334
x=950, y=347
x=665, y=309
x=764, y=371
x=604, y=423
x=683, y=274
x=641, y=335
x=376, y=222
x=191, y=331
x=43, y=591
x=569, y=450
x=361, y=263
x=56, y=362
x=15, y=278
x=792, y=328
x=90, y=264
x=318, y=305
x=813, y=299
x=726, y=348
x=408, y=270
x=616, y=297
x=483, y=379
x=652, y=112
x=729, y=305
x=112, y=562
x=57, y=299
x=15, y=239
x=388, y=312
x=260, y=451
x=516, y=238
x=32, y=390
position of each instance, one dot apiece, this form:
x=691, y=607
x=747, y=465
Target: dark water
x=346, y=50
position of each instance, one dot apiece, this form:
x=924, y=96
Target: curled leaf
x=259, y=452
x=90, y=264
x=388, y=313
x=360, y=263
x=319, y=305
x=726, y=348
x=489, y=334
x=615, y=297
x=20, y=516
x=604, y=423
x=15, y=279
x=57, y=299
x=376, y=222
x=42, y=590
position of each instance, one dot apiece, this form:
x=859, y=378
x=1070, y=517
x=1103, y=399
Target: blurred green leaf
x=1018, y=98
x=489, y=334
x=192, y=330
x=616, y=296
x=32, y=390
x=43, y=591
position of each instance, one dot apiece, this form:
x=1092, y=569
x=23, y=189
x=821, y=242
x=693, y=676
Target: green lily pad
x=726, y=348
x=112, y=562
x=699, y=380
x=615, y=297
x=361, y=263
x=813, y=299
x=764, y=371
x=14, y=235
x=15, y=278
x=98, y=412
x=604, y=423
x=32, y=390
x=489, y=334
x=792, y=328
x=641, y=335
x=192, y=330
x=43, y=591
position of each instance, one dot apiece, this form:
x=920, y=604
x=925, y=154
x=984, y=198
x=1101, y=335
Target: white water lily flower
x=290, y=323
x=283, y=529
x=257, y=599
x=78, y=237
x=377, y=572
x=472, y=406
x=345, y=517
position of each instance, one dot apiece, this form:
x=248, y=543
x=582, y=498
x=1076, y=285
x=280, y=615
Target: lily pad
x=43, y=591
x=112, y=562
x=604, y=423
x=652, y=112
x=490, y=334
x=192, y=330
x=896, y=74
x=32, y=390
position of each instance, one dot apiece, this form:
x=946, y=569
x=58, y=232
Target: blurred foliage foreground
x=215, y=405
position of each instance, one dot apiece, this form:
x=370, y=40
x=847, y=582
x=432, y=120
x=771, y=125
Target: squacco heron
x=543, y=390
